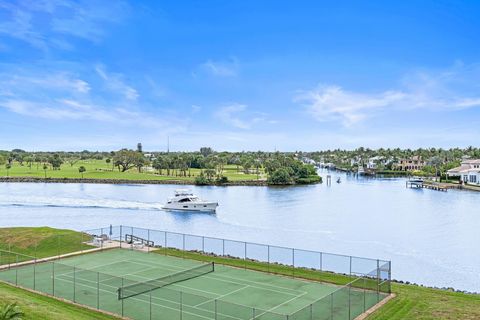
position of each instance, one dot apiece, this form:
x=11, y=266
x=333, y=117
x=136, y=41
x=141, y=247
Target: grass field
x=99, y=169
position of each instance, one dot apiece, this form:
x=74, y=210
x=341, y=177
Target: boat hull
x=203, y=207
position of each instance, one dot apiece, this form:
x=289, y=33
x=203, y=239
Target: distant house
x=469, y=171
x=411, y=164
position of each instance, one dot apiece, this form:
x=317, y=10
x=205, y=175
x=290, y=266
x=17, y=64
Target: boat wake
x=55, y=202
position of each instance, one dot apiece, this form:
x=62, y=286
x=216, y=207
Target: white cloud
x=453, y=89
x=230, y=115
x=328, y=103
x=45, y=24
x=115, y=83
x=237, y=116
x=221, y=68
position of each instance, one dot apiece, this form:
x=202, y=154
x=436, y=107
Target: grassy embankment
x=412, y=302
x=99, y=169
x=44, y=242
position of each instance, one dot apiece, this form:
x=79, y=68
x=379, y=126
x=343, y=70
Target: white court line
x=281, y=304
x=222, y=296
x=217, y=276
x=156, y=304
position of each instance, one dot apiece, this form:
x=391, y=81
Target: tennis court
x=189, y=289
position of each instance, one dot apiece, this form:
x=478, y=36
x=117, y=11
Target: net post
x=98, y=290
x=74, y=284
x=213, y=265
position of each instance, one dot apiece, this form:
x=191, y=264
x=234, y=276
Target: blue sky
x=239, y=75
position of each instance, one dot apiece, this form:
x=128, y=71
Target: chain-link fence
x=362, y=282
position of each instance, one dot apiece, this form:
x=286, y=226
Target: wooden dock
x=426, y=185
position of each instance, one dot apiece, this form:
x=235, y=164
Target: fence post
x=34, y=271
x=148, y=240
x=350, y=267
x=203, y=244
x=81, y=241
x=268, y=258
x=122, y=298
x=331, y=306
x=378, y=280
x=223, y=247
x=121, y=235
x=53, y=278
x=364, y=294
x=183, y=245
x=311, y=311
x=74, y=285
x=293, y=262
x=16, y=270
x=131, y=242
x=215, y=309
x=150, y=305
x=253, y=314
x=350, y=300
x=165, y=242
x=245, y=254
x=98, y=290
x=181, y=305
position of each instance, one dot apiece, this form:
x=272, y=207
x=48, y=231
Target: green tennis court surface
x=226, y=293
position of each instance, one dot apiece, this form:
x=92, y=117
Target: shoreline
x=126, y=181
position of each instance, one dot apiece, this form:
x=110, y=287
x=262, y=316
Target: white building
x=469, y=171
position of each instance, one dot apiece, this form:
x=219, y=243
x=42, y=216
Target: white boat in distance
x=185, y=200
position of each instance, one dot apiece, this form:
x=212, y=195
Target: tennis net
x=147, y=286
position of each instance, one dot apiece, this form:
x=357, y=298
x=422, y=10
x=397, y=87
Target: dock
x=419, y=183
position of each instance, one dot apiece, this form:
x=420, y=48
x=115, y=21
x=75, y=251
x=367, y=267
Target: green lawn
x=99, y=169
x=38, y=307
x=414, y=302
x=41, y=242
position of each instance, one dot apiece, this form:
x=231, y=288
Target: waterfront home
x=410, y=164
x=469, y=171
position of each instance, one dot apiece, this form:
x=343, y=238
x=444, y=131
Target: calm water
x=431, y=237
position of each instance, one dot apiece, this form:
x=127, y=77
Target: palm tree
x=11, y=312
x=82, y=169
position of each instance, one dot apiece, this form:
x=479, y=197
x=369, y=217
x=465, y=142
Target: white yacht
x=185, y=200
